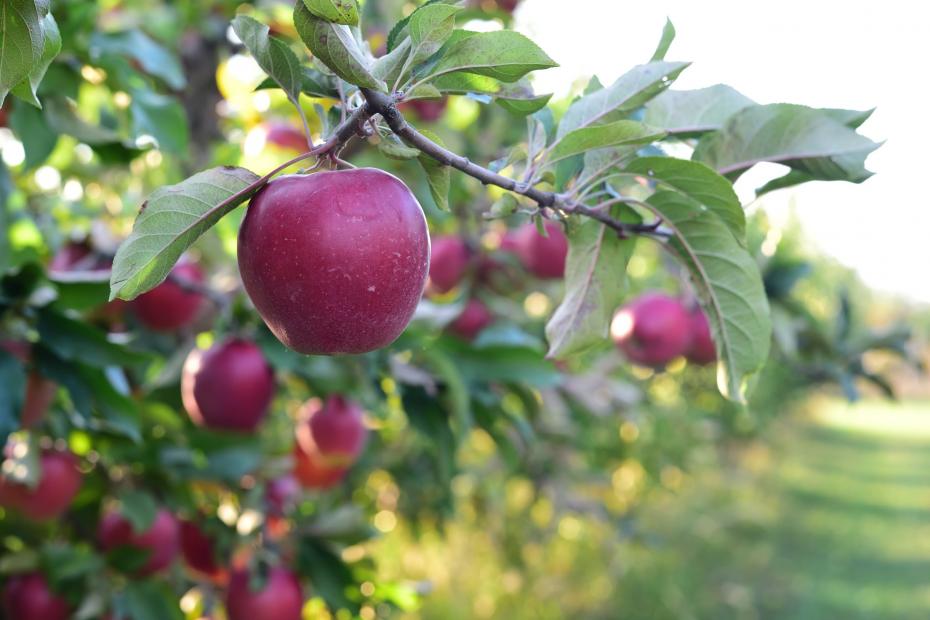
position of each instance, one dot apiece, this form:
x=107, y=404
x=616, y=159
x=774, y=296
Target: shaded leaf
x=34, y=131
x=21, y=41
x=171, y=220
x=161, y=117
x=692, y=112
x=139, y=508
x=13, y=380
x=728, y=284
x=150, y=55
x=272, y=55
x=26, y=90
x=77, y=340
x=438, y=176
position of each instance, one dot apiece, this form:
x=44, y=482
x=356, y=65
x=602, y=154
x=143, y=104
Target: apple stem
x=385, y=105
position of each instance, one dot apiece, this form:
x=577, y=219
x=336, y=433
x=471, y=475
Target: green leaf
x=34, y=131
x=139, y=508
x=330, y=576
x=22, y=41
x=149, y=600
x=149, y=54
x=26, y=90
x=430, y=26
x=699, y=182
x=272, y=55
x=313, y=83
x=161, y=117
x=692, y=112
x=336, y=47
x=392, y=147
x=171, y=220
x=728, y=284
x=438, y=176
x=517, y=98
x=665, y=42
x=62, y=116
x=629, y=92
x=63, y=562
x=503, y=55
x=336, y=11
x=807, y=140
x=400, y=31
x=392, y=65
x=595, y=284
x=13, y=380
x=612, y=134
x=76, y=340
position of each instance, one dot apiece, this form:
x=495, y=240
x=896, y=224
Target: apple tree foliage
x=122, y=101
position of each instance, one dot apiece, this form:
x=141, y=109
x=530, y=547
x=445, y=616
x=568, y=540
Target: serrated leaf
x=171, y=220
x=700, y=183
x=161, y=117
x=13, y=380
x=430, y=26
x=150, y=55
x=438, y=176
x=335, y=11
x=665, y=42
x=503, y=55
x=393, y=148
x=400, y=31
x=618, y=133
x=692, y=112
x=336, y=47
x=728, y=284
x=26, y=90
x=272, y=55
x=629, y=92
x=21, y=41
x=595, y=284
x=805, y=139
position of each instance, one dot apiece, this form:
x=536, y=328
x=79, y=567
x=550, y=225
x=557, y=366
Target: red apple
x=160, y=542
x=427, y=110
x=229, y=386
x=652, y=330
x=5, y=112
x=28, y=597
x=701, y=351
x=199, y=550
x=280, y=598
x=544, y=257
x=474, y=318
x=311, y=469
x=59, y=482
x=70, y=256
x=508, y=6
x=335, y=262
x=337, y=430
x=286, y=136
x=448, y=262
x=168, y=306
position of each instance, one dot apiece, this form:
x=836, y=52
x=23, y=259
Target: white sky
x=822, y=53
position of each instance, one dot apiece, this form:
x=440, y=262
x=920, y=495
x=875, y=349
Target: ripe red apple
x=168, y=306
x=28, y=597
x=474, y=318
x=337, y=430
x=335, y=262
x=229, y=386
x=286, y=136
x=652, y=330
x=280, y=598
x=448, y=262
x=311, y=469
x=70, y=256
x=544, y=257
x=427, y=110
x=508, y=6
x=59, y=482
x=160, y=542
x=199, y=550
x=701, y=351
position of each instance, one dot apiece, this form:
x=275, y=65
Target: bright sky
x=822, y=53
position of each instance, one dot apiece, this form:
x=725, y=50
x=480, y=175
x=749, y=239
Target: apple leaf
x=335, y=11
x=503, y=55
x=392, y=147
x=22, y=41
x=13, y=380
x=26, y=90
x=171, y=220
x=391, y=66
x=272, y=55
x=728, y=284
x=139, y=508
x=701, y=183
x=161, y=117
x=151, y=56
x=75, y=340
x=692, y=112
x=336, y=47
x=665, y=42
x=517, y=97
x=618, y=133
x=595, y=283
x=438, y=176
x=430, y=26
x=807, y=140
x=313, y=83
x=630, y=91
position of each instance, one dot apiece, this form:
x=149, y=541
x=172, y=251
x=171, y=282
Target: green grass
x=828, y=519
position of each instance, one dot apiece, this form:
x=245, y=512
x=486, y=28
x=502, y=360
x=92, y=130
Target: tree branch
x=385, y=105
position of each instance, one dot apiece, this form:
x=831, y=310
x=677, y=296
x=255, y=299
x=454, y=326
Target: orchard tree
x=185, y=419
